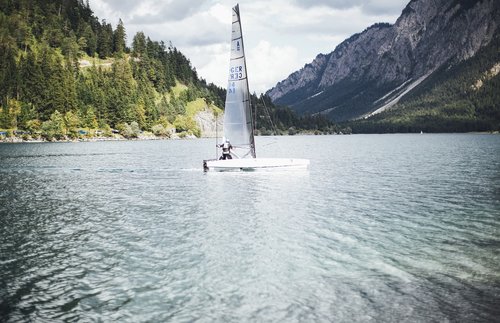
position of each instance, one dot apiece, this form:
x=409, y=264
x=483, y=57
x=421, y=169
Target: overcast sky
x=280, y=36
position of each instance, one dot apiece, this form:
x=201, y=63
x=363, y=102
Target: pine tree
x=31, y=81
x=8, y=73
x=89, y=41
x=119, y=38
x=123, y=92
x=105, y=40
x=53, y=94
x=139, y=44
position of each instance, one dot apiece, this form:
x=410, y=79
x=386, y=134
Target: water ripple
x=381, y=228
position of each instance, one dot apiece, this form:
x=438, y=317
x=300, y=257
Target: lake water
x=380, y=228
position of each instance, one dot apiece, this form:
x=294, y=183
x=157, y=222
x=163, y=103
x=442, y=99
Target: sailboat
x=238, y=121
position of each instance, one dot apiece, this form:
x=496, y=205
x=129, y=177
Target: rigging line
x=269, y=116
x=216, y=135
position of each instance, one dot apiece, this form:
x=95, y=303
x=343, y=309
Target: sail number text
x=236, y=73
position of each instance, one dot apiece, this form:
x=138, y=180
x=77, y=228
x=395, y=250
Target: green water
x=380, y=228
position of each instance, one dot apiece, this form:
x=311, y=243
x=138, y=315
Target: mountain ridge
x=373, y=70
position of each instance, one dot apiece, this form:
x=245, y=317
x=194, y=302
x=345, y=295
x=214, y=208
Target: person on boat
x=226, y=150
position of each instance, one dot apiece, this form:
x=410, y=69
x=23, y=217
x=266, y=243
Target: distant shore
x=19, y=139
x=117, y=137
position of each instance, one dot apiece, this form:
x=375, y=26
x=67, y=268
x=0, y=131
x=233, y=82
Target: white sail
x=238, y=125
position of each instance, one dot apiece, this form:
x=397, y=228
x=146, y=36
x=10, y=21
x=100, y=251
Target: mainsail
x=238, y=126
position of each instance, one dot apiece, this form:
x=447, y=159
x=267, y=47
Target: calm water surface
x=381, y=228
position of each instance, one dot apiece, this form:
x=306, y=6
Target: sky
x=280, y=36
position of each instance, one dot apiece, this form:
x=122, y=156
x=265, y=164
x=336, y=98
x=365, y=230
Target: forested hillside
x=64, y=73
x=460, y=98
x=281, y=120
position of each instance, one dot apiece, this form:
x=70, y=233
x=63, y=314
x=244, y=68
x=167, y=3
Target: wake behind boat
x=238, y=121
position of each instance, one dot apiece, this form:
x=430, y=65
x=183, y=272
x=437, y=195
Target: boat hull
x=254, y=164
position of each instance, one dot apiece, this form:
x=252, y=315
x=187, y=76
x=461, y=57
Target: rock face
x=375, y=68
x=206, y=121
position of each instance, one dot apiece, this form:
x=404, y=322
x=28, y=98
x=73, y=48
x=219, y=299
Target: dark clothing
x=226, y=150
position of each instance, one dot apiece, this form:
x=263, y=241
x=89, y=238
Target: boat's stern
x=205, y=165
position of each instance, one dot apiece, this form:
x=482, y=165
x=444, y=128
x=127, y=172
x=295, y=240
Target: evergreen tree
x=139, y=44
x=27, y=116
x=123, y=93
x=105, y=40
x=92, y=93
x=8, y=73
x=119, y=38
x=71, y=49
x=88, y=40
x=31, y=81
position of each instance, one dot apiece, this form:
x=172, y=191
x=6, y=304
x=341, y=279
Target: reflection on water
x=381, y=228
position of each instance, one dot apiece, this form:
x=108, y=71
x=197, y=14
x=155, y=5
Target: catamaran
x=238, y=121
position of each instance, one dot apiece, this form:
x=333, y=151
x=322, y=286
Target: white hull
x=253, y=164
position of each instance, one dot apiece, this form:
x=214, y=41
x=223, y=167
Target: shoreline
x=20, y=140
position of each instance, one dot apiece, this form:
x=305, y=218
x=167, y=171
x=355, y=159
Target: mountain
x=381, y=67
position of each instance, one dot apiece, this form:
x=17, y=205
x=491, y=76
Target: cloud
x=281, y=36
x=268, y=64
x=384, y=7
x=200, y=29
x=325, y=21
x=335, y=4
x=211, y=62
x=122, y=6
x=161, y=11
x=149, y=11
x=370, y=7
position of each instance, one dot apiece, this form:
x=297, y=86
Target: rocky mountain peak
x=386, y=60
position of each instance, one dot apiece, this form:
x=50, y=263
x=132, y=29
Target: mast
x=238, y=115
x=249, y=104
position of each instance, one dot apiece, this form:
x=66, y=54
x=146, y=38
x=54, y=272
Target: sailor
x=226, y=149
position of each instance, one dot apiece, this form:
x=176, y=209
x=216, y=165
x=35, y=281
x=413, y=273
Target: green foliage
x=45, y=88
x=55, y=127
x=72, y=123
x=119, y=38
x=105, y=40
x=129, y=130
x=271, y=119
x=89, y=119
x=185, y=124
x=9, y=114
x=139, y=44
x=33, y=126
x=160, y=130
